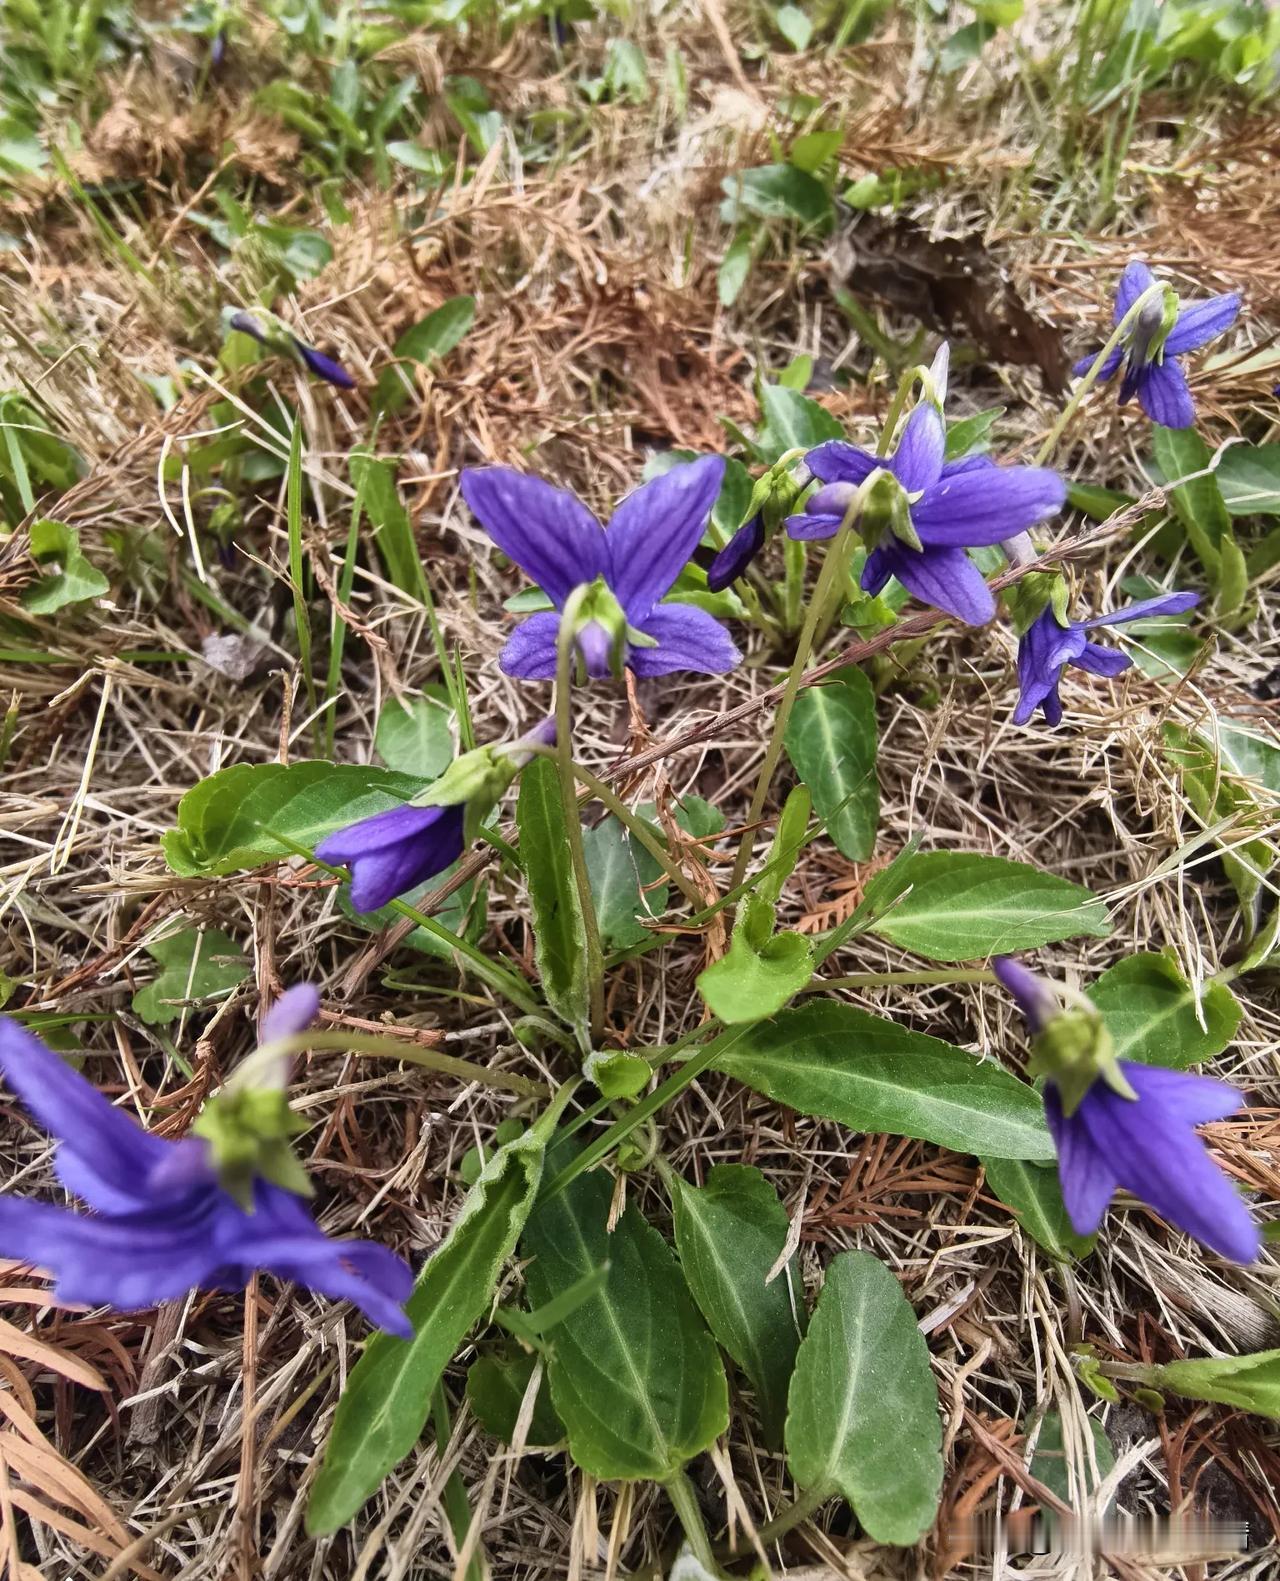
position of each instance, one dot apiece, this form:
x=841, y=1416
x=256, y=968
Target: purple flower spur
x=943, y=509
x=278, y=337
x=1121, y=1123
x=635, y=560
x=1047, y=647
x=393, y=852
x=163, y=1222
x=1162, y=332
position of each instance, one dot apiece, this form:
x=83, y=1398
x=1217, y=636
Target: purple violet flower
x=952, y=506
x=394, y=851
x=732, y=561
x=1150, y=370
x=1046, y=648
x=163, y=1223
x=552, y=536
x=1142, y=1138
x=285, y=340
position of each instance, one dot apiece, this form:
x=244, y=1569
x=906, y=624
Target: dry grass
x=598, y=337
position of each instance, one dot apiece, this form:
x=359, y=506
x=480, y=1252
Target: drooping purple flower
x=952, y=506
x=284, y=340
x=218, y=49
x=1148, y=1145
x=732, y=561
x=552, y=536
x=1130, y=1125
x=394, y=851
x=1047, y=647
x=1148, y=355
x=163, y=1224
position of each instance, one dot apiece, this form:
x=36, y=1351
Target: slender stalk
x=569, y=796
x=385, y=1048
x=685, y=1503
x=882, y=979
x=1151, y=294
x=782, y=1523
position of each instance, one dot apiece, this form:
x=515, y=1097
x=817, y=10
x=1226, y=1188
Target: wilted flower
x=1049, y=644
x=732, y=561
x=1161, y=333
x=164, y=1222
x=1121, y=1123
x=267, y=330
x=629, y=565
x=933, y=512
x=393, y=852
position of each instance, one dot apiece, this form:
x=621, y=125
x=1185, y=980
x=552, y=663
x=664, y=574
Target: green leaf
x=1033, y=1192
x=559, y=932
x=426, y=161
x=432, y=337
x=635, y=1377
x=67, y=576
x=796, y=28
x=616, y=1073
x=964, y=46
x=1254, y=757
x=197, y=964
x=828, y=1059
x=729, y=1236
x=1219, y=799
x=1154, y=1014
x=1049, y=1462
x=777, y=192
x=831, y=740
x=811, y=152
x=253, y=813
x=735, y=266
x=622, y=873
x=496, y=1387
x=1198, y=503
x=863, y=1413
x=1249, y=479
x=384, y=1406
x=792, y=421
x=21, y=151
x=375, y=483
x=756, y=977
x=965, y=907
x=417, y=739
x=1250, y=1382
x=972, y=435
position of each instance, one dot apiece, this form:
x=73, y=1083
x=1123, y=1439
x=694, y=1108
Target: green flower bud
x=248, y=1130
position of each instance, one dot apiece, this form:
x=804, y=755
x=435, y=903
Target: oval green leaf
x=560, y=939
x=862, y=1417
x=831, y=740
x=1154, y=1014
x=842, y=1064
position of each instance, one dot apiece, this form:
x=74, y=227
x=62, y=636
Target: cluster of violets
x=210, y=1209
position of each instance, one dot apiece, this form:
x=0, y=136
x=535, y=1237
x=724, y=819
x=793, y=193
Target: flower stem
x=386, y=1048
x=783, y=1522
x=882, y=979
x=1095, y=368
x=685, y=1503
x=572, y=820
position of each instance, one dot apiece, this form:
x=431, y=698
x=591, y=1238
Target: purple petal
x=1164, y=396
x=1034, y=997
x=877, y=571
x=1162, y=604
x=945, y=578
x=806, y=527
x=653, y=532
x=1182, y=1095
x=248, y=325
x=1202, y=322
x=688, y=639
x=1108, y=369
x=548, y=532
x=292, y=1013
x=836, y=461
x=732, y=561
x=1043, y=650
x=974, y=463
x=393, y=852
x=986, y=505
x=1136, y=279
x=1087, y=1179
x=324, y=367
x=917, y=462
x=117, y=1151
x=1098, y=660
x=596, y=648
x=531, y=650
x=1160, y=1159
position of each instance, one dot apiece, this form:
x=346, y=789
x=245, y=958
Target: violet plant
x=630, y=1331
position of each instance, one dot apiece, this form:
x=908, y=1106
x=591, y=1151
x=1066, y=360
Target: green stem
x=782, y=1523
x=569, y=795
x=685, y=1503
x=385, y=1048
x=1090, y=379
x=881, y=979
x=764, y=782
